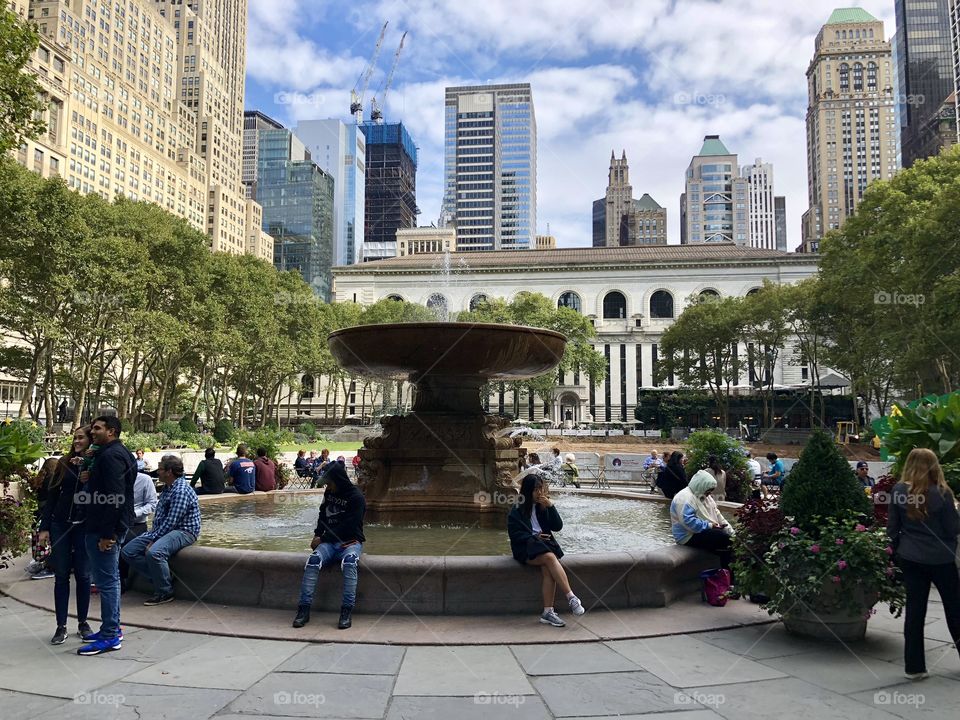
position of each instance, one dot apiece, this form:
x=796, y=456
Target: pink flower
x=860, y=528
x=888, y=550
x=839, y=541
x=889, y=572
x=814, y=549
x=781, y=546
x=842, y=564
x=794, y=531
x=836, y=578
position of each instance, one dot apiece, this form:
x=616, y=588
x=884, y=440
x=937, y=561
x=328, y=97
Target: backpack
x=714, y=586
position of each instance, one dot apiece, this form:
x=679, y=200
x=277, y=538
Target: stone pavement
x=752, y=671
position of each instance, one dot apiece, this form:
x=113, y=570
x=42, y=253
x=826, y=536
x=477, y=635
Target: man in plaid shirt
x=175, y=526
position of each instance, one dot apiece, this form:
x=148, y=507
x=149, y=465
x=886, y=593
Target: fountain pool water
x=281, y=522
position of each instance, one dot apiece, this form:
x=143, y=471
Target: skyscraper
x=297, y=201
x=761, y=208
x=955, y=37
x=926, y=74
x=714, y=207
x=490, y=166
x=391, y=189
x=341, y=150
x=780, y=212
x=619, y=219
x=851, y=120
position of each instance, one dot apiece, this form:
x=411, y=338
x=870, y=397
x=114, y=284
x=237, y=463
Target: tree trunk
x=36, y=361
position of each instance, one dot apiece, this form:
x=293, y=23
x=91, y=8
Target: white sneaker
x=551, y=618
x=576, y=607
x=916, y=676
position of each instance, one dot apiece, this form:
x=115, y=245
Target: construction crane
x=376, y=109
x=356, y=99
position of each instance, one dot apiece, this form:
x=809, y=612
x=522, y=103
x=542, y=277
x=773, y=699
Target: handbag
x=715, y=584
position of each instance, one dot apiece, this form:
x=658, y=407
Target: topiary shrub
x=168, y=428
x=223, y=431
x=126, y=426
x=188, y=426
x=307, y=429
x=729, y=451
x=822, y=485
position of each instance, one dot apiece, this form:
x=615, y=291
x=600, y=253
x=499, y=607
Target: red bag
x=715, y=585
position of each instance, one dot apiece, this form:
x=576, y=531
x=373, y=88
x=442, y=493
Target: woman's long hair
x=63, y=465
x=922, y=471
x=528, y=485
x=675, y=464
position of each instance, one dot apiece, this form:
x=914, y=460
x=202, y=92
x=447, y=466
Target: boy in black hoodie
x=337, y=537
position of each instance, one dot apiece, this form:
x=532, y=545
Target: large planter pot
x=824, y=620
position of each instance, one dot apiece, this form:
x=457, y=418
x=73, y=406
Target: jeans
x=917, y=578
x=69, y=553
x=137, y=529
x=154, y=562
x=105, y=572
x=325, y=554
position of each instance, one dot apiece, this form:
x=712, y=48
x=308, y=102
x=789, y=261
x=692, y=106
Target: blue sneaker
x=98, y=647
x=95, y=636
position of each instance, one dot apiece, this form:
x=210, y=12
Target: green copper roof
x=713, y=146
x=850, y=15
x=647, y=203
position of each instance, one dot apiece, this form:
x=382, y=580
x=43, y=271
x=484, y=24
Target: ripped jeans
x=325, y=554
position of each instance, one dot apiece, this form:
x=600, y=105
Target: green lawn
x=318, y=446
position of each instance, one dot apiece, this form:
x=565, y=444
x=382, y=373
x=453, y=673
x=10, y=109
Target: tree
x=700, y=349
x=809, y=324
x=21, y=104
x=765, y=332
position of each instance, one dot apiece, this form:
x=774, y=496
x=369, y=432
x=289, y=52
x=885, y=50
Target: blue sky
x=651, y=77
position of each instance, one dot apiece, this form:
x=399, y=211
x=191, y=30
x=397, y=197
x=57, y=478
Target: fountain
x=443, y=462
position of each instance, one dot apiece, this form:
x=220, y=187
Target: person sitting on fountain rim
x=696, y=520
x=530, y=526
x=338, y=536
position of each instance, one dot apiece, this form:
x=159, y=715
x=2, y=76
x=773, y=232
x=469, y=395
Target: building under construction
x=391, y=197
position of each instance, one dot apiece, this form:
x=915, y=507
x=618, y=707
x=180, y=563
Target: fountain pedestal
x=444, y=462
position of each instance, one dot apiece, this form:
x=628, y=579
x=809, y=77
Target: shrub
x=169, y=428
x=126, y=426
x=27, y=428
x=880, y=497
x=729, y=451
x=931, y=422
x=266, y=438
x=188, y=426
x=307, y=429
x=822, y=486
x=223, y=431
x=759, y=521
x=19, y=447
x=16, y=524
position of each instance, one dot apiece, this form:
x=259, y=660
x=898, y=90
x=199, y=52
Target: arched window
x=753, y=291
x=844, y=78
x=871, y=76
x=571, y=300
x=661, y=305
x=857, y=76
x=477, y=300
x=614, y=306
x=709, y=294
x=395, y=298
x=306, y=387
x=438, y=303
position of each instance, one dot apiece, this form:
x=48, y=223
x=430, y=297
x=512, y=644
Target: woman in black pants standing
x=923, y=525
x=62, y=521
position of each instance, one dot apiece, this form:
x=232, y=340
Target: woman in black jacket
x=62, y=521
x=672, y=478
x=531, y=525
x=923, y=525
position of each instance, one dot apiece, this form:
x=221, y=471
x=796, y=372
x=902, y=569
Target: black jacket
x=932, y=541
x=109, y=492
x=342, y=510
x=61, y=505
x=670, y=481
x=210, y=474
x=521, y=532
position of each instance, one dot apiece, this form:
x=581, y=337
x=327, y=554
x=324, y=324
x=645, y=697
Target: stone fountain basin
x=488, y=351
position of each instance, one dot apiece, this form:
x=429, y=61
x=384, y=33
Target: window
x=844, y=78
x=438, y=303
x=709, y=294
x=661, y=305
x=306, y=387
x=571, y=300
x=477, y=300
x=614, y=305
x=395, y=298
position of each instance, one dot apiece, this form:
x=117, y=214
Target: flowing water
x=282, y=521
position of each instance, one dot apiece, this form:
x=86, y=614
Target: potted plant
x=759, y=521
x=729, y=451
x=19, y=448
x=828, y=563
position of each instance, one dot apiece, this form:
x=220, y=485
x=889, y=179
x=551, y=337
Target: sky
x=651, y=77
